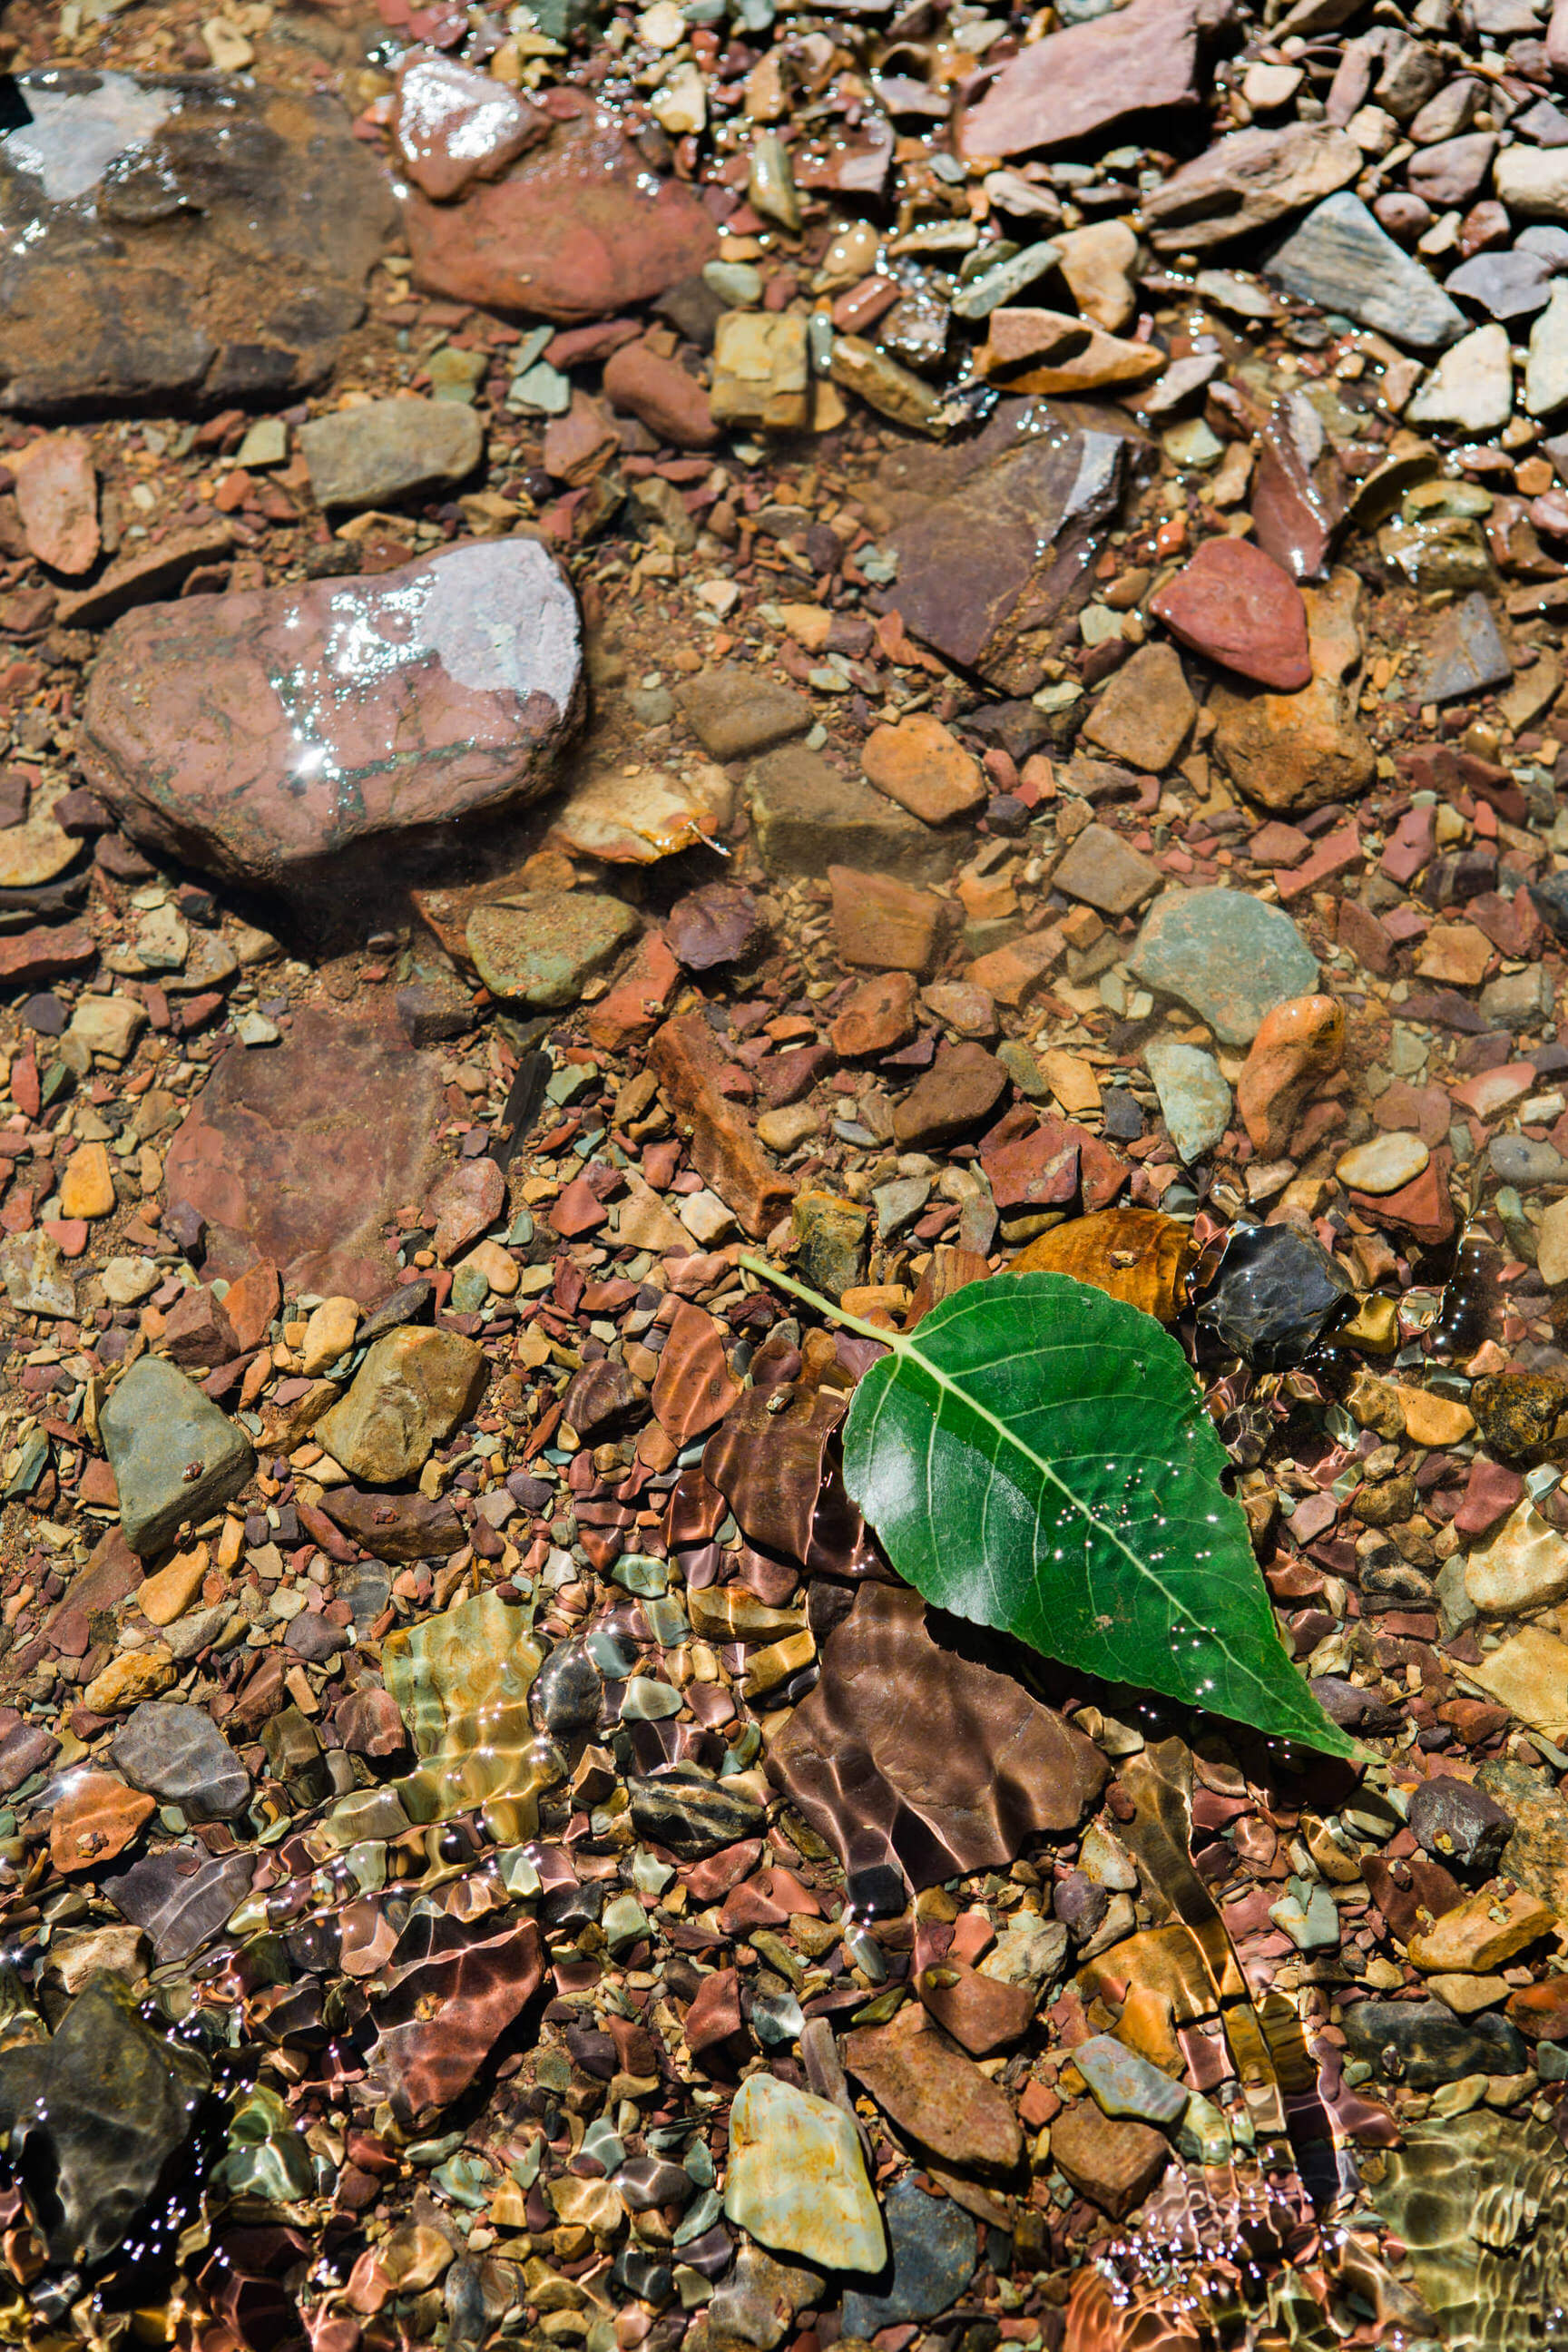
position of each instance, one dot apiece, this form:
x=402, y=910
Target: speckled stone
x=1226, y=955
x=797, y=2178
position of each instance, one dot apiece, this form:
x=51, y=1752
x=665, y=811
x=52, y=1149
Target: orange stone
x=1300, y=1045
x=95, y=1820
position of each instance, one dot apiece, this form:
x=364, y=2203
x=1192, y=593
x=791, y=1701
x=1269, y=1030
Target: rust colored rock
x=451, y=1998
x=715, y=2032
x=878, y=1018
x=451, y=125
x=1084, y=81
x=604, y=1400
x=724, y=1150
x=910, y=1746
x=463, y=1203
x=934, y=2092
x=57, y=491
x=1300, y=1044
x=772, y=1462
x=982, y=2013
x=1292, y=752
x=396, y=1526
x=1235, y=605
x=963, y=1087
x=920, y=763
x=634, y=1007
x=641, y=383
x=695, y=1386
x=95, y=1820
x=1114, y=2164
x=300, y=1155
x=252, y=1302
x=883, y=925
x=45, y=953
x=301, y=737
x=579, y=228
x=198, y=1331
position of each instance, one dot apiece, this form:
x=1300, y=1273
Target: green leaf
x=1034, y=1457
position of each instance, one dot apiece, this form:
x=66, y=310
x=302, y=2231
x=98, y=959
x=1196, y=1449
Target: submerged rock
x=1277, y=1292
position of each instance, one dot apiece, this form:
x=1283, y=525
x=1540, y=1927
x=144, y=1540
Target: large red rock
x=579, y=228
x=299, y=1155
x=295, y=737
x=1233, y=604
x=1077, y=84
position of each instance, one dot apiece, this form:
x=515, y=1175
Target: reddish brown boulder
x=1083, y=81
x=1233, y=604
x=300, y=1155
x=578, y=229
x=287, y=736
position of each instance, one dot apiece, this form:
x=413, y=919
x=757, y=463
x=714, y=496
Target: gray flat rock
x=174, y=1455
x=1228, y=955
x=1341, y=259
x=390, y=449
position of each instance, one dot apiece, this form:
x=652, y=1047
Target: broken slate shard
x=1277, y=1293
x=91, y=2120
x=170, y=238
x=304, y=736
x=1341, y=259
x=917, y=1760
x=1089, y=78
x=985, y=573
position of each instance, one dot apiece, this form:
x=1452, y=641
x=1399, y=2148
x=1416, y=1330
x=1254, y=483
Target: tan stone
x=1434, y=1420
x=1071, y=1080
x=1146, y=713
x=883, y=925
x=498, y=1265
x=129, y=1678
x=1097, y=263
x=1552, y=1245
x=1292, y=751
x=413, y=1389
x=1483, y=1933
x=329, y=1334
x=761, y=371
x=86, y=1187
x=921, y=765
x=1457, y=954
x=170, y=1593
x=1464, y=1995
x=1050, y=352
x=1529, y=1675
x=1524, y=1567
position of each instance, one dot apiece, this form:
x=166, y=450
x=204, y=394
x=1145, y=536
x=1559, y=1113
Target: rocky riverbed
x=919, y=644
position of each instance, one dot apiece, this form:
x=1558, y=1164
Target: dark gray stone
x=178, y=1753
x=1459, y=1825
x=934, y=2248
x=181, y=1908
x=1342, y=260
x=1466, y=654
x=690, y=1813
x=568, y=1691
x=1424, y=2045
x=1275, y=1293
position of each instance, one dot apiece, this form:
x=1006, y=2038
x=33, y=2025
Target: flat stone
x=991, y=562
x=163, y=244
x=640, y=382
x=1524, y=1567
x=37, y=848
x=1384, y=1165
x=933, y=2249
x=452, y=125
x=1464, y=655
x=982, y=2013
x=1298, y=1044
x=796, y=2177
x=95, y=1818
x=808, y=816
x=963, y=1087
x=880, y=924
x=1085, y=80
x=1552, y=1245
x=413, y=1389
x=1125, y=2086
x=762, y=371
x=1429, y=2045
x=1512, y=284
x=545, y=948
x=330, y=1332
x=57, y=495
x=387, y=449
x=1098, y=262
x=87, y=1183
x=181, y=1908
x=1144, y=715
x=219, y=729
x=920, y=763
x=1471, y=387
x=735, y=713
x=178, y=1753
x=878, y=1017
x=934, y=2092
x=1114, y=2164
x=578, y=227
x=1452, y=171
x=166, y=1596
x=132, y=1676
x=1546, y=366
x=1529, y=1675
x=1249, y=180
x=1194, y=1099
x=1459, y=1824
x=1341, y=259
x=397, y=1527
x=300, y=1155
x=1226, y=955
x=175, y=1457
x=1105, y=871
x=1057, y=351
x=37, y=1283
x=1483, y=1933
x=1235, y=605
x=1532, y=182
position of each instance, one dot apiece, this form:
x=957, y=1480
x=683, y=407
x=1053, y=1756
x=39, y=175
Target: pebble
x=1518, y=1161
x=1194, y=1099
x=1145, y=714
x=178, y=1754
x=920, y=763
x=1471, y=387
x=1125, y=2086
x=963, y=1087
x=1226, y=954
x=1483, y=1932
x=1235, y=605
x=934, y=2092
x=1551, y=1243
x=544, y=949
x=452, y=125
x=1115, y=2165
x=413, y=1389
x=1105, y=872
x=329, y=1335
x=57, y=494
x=1340, y=258
x=735, y=715
x=1383, y=1165
x=1524, y=1567
x=175, y=1457
x=383, y=450
x=1298, y=1044
x=796, y=2177
x=1546, y=362
x=1458, y=1825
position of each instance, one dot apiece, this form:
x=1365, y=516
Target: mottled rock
x=579, y=227
x=179, y=1754
x=1145, y=714
x=298, y=1156
x=387, y=449
x=932, y=2252
x=1235, y=605
x=1342, y=260
x=796, y=2177
x=413, y=1389
x=452, y=125
x=1428, y=2044
x=1090, y=77
x=1459, y=1824
x=934, y=2092
x=162, y=240
x=1247, y=180
x=1524, y=1567
x=1226, y=954
x=220, y=729
x=1105, y=871
x=175, y=1457
x=56, y=496
x=96, y=2115
x=543, y=948
x=692, y=1812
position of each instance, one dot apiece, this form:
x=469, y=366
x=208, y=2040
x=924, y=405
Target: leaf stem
x=759, y=1266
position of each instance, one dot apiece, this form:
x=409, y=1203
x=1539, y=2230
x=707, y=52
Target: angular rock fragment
x=175, y=1457
x=1092, y=78
x=1341, y=259
x=1248, y=180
